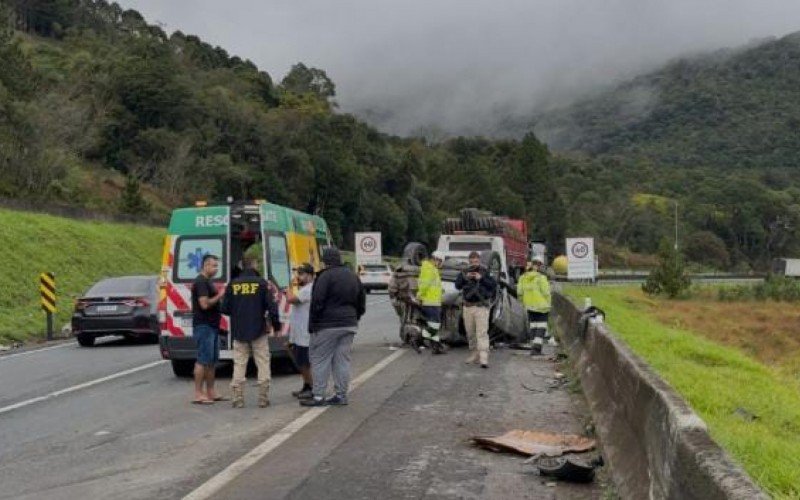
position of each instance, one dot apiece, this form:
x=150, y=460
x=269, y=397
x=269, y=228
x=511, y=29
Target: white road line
x=216, y=483
x=78, y=387
x=23, y=353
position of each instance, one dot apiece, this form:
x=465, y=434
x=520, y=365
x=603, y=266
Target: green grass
x=716, y=380
x=78, y=252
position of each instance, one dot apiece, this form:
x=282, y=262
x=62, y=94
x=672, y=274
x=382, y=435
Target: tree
x=669, y=278
x=304, y=80
x=707, y=248
x=132, y=202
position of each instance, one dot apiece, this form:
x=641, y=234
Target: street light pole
x=676, y=225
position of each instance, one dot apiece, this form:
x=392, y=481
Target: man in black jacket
x=338, y=301
x=478, y=290
x=248, y=300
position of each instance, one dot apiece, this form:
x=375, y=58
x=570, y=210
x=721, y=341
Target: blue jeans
x=207, y=339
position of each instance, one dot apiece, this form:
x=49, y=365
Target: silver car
x=375, y=276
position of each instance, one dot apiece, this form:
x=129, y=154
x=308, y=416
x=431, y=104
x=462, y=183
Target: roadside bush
x=777, y=288
x=669, y=278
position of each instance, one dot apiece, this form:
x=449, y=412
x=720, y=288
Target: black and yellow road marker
x=47, y=291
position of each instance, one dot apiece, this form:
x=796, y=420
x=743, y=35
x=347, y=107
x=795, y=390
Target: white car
x=375, y=276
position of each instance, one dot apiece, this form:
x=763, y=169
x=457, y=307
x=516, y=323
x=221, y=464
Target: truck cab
x=285, y=237
x=457, y=247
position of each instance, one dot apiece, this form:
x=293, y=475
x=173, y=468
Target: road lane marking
x=219, y=481
x=59, y=346
x=78, y=387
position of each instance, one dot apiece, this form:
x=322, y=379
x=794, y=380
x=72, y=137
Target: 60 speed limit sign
x=580, y=259
x=368, y=248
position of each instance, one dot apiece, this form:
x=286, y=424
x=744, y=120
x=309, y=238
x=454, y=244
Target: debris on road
x=568, y=469
x=530, y=443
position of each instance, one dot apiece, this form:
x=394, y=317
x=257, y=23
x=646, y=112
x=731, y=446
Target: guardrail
x=658, y=448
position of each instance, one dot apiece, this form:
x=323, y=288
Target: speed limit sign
x=580, y=259
x=368, y=248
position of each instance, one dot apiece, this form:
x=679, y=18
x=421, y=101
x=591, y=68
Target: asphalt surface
x=113, y=422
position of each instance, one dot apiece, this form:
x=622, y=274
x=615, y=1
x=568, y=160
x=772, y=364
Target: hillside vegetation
x=102, y=110
x=79, y=253
x=729, y=109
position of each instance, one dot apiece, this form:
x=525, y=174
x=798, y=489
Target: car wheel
x=414, y=254
x=183, y=367
x=85, y=340
x=491, y=260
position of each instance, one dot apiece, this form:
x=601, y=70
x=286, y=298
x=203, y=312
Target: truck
x=503, y=245
x=284, y=237
x=786, y=267
x=482, y=231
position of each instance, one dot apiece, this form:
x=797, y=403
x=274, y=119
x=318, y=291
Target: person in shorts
x=206, y=317
x=299, y=338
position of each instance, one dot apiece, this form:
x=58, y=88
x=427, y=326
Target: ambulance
x=286, y=237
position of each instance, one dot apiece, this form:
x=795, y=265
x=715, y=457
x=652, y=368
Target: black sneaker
x=536, y=350
x=313, y=402
x=336, y=400
x=301, y=391
x=305, y=394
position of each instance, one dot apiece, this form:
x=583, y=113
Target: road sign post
x=368, y=248
x=47, y=291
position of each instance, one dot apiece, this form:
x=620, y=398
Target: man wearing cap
x=299, y=338
x=338, y=301
x=429, y=296
x=534, y=290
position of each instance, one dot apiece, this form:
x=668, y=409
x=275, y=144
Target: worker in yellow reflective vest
x=534, y=290
x=429, y=296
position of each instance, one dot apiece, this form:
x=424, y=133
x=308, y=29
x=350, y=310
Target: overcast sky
x=462, y=65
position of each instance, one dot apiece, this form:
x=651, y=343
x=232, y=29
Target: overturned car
x=508, y=318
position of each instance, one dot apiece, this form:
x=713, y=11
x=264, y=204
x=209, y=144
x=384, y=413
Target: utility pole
x=676, y=225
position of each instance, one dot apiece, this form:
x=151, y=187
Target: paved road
x=114, y=422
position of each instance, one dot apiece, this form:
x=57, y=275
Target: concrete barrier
x=657, y=447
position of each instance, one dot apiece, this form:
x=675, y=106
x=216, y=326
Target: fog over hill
x=479, y=67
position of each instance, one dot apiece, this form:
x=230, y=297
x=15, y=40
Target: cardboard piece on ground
x=536, y=443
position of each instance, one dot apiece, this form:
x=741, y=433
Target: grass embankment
x=752, y=408
x=78, y=252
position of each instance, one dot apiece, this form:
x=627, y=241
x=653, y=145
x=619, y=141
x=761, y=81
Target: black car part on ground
x=567, y=469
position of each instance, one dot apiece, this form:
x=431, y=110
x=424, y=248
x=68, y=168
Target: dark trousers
x=537, y=325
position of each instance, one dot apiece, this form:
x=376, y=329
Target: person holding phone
x=478, y=289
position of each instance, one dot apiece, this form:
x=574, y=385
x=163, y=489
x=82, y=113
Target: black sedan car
x=124, y=306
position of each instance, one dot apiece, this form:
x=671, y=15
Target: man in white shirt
x=299, y=338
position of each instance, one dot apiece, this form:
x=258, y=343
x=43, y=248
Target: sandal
x=202, y=402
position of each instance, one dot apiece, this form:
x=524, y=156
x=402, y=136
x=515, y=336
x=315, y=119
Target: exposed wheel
x=85, y=340
x=183, y=367
x=414, y=253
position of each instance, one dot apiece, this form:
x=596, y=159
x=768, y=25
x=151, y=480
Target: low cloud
x=448, y=67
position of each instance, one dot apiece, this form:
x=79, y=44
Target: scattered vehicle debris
x=539, y=443
x=568, y=469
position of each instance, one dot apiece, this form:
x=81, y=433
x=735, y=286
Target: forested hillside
x=99, y=108
x=102, y=110
x=728, y=109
